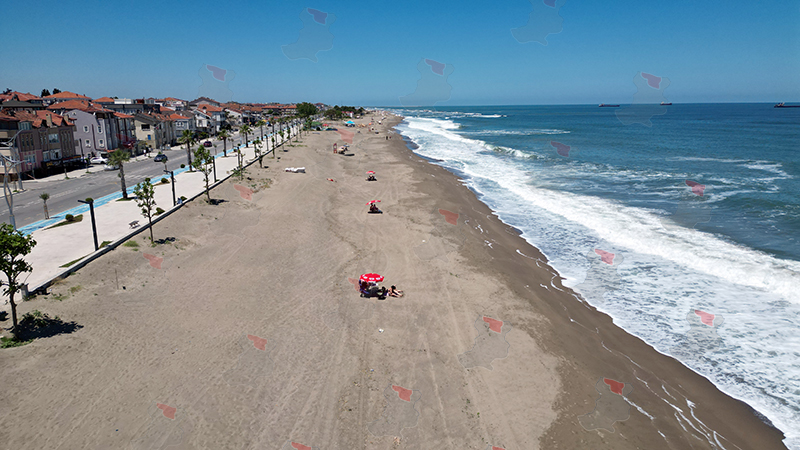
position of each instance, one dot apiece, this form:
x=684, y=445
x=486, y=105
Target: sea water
x=698, y=215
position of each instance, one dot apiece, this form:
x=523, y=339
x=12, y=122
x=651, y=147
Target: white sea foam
x=666, y=273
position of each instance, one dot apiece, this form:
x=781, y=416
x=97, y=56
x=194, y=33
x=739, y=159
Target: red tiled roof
x=123, y=116
x=177, y=117
x=209, y=108
x=67, y=94
x=104, y=100
x=23, y=97
x=37, y=118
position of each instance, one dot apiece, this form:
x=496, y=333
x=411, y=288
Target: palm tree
x=261, y=124
x=224, y=136
x=118, y=158
x=188, y=138
x=45, y=196
x=245, y=130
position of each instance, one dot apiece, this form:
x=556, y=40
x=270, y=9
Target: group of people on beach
x=371, y=289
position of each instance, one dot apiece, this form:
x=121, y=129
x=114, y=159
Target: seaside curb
x=42, y=288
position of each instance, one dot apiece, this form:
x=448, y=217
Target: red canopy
x=374, y=277
x=371, y=172
x=373, y=201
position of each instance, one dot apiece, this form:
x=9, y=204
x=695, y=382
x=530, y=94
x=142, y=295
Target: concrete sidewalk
x=81, y=172
x=58, y=246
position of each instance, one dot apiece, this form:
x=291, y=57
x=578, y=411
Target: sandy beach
x=245, y=330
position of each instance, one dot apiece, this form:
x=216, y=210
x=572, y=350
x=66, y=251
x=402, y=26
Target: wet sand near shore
x=246, y=330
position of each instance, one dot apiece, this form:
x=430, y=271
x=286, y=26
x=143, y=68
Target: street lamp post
x=214, y=164
x=90, y=202
x=172, y=179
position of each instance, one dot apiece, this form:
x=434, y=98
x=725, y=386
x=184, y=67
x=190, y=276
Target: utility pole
x=90, y=202
x=9, y=194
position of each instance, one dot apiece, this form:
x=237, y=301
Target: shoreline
x=247, y=327
x=571, y=304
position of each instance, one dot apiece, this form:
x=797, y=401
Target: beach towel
x=296, y=169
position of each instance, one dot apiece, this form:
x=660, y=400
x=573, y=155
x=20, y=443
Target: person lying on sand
x=331, y=179
x=394, y=292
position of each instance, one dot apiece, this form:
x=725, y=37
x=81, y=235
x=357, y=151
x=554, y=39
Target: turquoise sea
x=681, y=222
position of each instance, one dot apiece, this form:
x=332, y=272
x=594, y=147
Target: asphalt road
x=64, y=194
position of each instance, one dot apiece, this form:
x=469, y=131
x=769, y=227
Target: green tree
x=245, y=130
x=306, y=109
x=224, y=136
x=146, y=200
x=45, y=196
x=202, y=162
x=188, y=138
x=261, y=124
x=13, y=247
x=45, y=93
x=118, y=158
x=56, y=91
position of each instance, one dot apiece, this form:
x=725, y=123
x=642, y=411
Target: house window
x=100, y=129
x=85, y=129
x=102, y=144
x=145, y=127
x=56, y=154
x=53, y=138
x=88, y=144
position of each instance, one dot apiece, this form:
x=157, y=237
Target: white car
x=98, y=160
x=110, y=167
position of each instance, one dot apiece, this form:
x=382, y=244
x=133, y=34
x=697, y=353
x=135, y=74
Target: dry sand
x=246, y=332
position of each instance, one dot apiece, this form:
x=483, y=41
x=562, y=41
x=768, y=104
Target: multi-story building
x=155, y=130
x=43, y=140
x=64, y=96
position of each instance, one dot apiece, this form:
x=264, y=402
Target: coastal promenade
x=59, y=247
x=244, y=329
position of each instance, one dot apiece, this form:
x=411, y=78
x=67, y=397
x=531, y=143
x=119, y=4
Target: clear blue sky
x=711, y=51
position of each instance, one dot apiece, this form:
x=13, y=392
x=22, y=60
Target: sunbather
x=394, y=292
x=373, y=209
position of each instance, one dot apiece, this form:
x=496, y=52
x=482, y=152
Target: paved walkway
x=58, y=246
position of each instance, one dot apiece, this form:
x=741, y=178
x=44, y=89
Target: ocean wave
x=534, y=132
x=768, y=166
x=698, y=158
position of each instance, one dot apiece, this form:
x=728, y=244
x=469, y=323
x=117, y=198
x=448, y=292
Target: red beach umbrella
x=374, y=277
x=373, y=201
x=371, y=172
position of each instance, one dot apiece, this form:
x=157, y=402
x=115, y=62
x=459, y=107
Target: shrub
x=183, y=165
x=159, y=210
x=164, y=181
x=69, y=217
x=183, y=198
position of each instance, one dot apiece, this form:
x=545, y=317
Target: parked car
x=110, y=167
x=207, y=143
x=98, y=160
x=161, y=158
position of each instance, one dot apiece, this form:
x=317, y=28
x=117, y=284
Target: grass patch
x=131, y=244
x=11, y=342
x=124, y=199
x=75, y=289
x=75, y=219
x=104, y=243
x=72, y=262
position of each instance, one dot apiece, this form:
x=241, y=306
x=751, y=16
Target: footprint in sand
x=490, y=344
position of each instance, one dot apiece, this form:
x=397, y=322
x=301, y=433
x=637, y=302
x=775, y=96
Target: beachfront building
x=43, y=140
x=155, y=130
x=183, y=122
x=215, y=117
x=203, y=100
x=99, y=130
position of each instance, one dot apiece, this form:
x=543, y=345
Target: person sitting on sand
x=371, y=177
x=394, y=292
x=373, y=208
